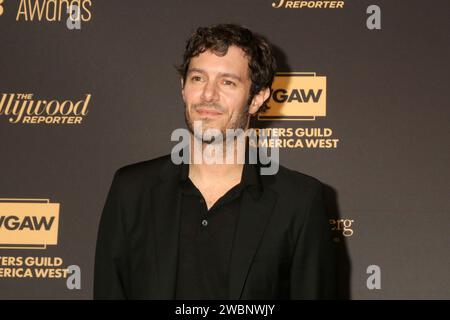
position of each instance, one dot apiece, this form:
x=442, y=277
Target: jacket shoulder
x=297, y=178
x=294, y=184
x=147, y=170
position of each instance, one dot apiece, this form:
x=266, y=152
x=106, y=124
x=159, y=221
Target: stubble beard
x=240, y=123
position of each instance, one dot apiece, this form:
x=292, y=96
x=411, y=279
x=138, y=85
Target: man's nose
x=210, y=92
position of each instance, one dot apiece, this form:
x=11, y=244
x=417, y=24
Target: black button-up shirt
x=206, y=237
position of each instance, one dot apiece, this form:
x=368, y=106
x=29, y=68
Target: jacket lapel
x=253, y=218
x=166, y=209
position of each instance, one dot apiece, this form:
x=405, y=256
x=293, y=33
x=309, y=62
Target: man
x=220, y=230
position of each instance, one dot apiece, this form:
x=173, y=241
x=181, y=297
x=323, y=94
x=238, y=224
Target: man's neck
x=216, y=173
x=213, y=174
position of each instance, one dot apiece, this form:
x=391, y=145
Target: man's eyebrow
x=231, y=75
x=225, y=74
x=195, y=70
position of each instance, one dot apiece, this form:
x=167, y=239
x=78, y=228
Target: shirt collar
x=250, y=174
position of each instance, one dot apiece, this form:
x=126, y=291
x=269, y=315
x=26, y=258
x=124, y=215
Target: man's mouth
x=207, y=112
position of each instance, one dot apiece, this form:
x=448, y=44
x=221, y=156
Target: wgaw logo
x=28, y=223
x=297, y=96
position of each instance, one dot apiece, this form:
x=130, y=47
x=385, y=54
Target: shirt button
x=202, y=200
x=204, y=222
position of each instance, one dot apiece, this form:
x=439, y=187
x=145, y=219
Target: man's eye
x=196, y=78
x=229, y=83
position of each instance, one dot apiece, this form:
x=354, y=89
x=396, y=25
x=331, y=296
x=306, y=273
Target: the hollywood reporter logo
x=24, y=108
x=311, y=4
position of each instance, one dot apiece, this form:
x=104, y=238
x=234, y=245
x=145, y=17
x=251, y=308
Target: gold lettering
x=51, y=4
x=36, y=8
x=88, y=17
x=22, y=10
x=274, y=5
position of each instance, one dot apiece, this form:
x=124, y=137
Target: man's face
x=216, y=91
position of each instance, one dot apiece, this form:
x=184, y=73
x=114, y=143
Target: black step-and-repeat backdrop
x=360, y=101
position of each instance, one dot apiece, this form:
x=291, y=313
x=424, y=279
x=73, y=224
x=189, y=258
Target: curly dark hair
x=218, y=38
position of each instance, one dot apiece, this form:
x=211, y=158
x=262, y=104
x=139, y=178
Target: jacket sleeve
x=313, y=269
x=110, y=271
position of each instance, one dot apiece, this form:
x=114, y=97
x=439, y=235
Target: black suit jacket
x=282, y=247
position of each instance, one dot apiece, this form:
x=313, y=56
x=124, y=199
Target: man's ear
x=258, y=100
x=182, y=86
